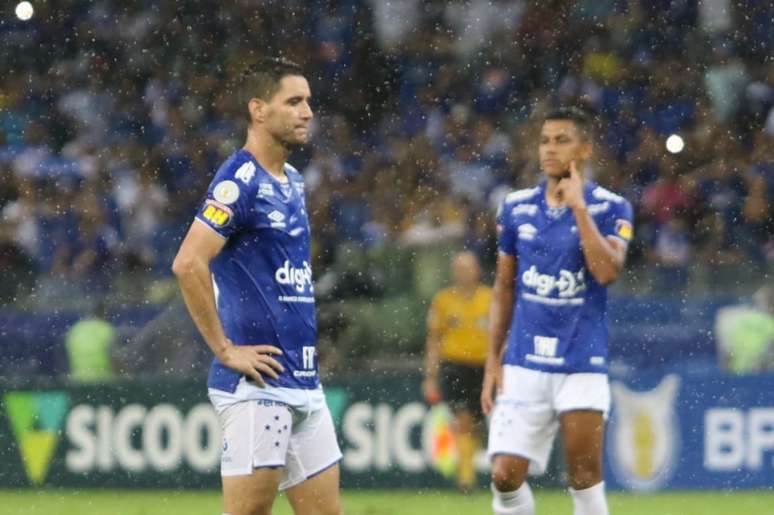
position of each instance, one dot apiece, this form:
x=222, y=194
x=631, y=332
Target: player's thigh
x=313, y=448
x=256, y=436
x=317, y=495
x=461, y=387
x=523, y=423
x=251, y=494
x=583, y=401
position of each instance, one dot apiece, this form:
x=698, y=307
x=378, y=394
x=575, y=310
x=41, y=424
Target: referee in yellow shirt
x=457, y=342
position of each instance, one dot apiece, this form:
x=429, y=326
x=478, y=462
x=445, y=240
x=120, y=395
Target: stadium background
x=113, y=118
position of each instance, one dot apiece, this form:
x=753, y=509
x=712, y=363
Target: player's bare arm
x=605, y=257
x=430, y=388
x=500, y=314
x=192, y=269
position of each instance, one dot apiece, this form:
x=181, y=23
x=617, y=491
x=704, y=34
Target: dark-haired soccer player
x=561, y=243
x=245, y=272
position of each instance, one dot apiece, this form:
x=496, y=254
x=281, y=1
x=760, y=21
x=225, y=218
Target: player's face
x=560, y=143
x=465, y=270
x=288, y=113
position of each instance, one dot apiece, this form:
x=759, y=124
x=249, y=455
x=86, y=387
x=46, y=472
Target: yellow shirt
x=461, y=324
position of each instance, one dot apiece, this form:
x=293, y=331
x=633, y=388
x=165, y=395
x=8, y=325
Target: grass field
x=398, y=502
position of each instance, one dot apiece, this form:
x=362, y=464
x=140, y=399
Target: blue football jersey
x=263, y=275
x=559, y=320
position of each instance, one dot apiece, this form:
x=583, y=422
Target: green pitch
x=406, y=502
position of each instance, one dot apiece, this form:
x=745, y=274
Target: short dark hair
x=261, y=79
x=576, y=115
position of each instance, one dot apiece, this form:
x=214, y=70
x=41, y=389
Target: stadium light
x=24, y=11
x=675, y=144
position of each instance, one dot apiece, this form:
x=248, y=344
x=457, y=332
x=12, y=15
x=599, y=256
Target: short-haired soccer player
x=560, y=244
x=245, y=272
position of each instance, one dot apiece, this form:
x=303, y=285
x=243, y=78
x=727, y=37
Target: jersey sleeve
x=506, y=236
x=229, y=203
x=619, y=223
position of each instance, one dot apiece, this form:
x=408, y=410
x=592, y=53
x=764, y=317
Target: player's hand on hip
x=489, y=390
x=254, y=361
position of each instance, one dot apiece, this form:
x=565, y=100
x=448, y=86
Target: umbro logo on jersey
x=527, y=231
x=276, y=216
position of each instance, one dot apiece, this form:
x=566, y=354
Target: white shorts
x=525, y=419
x=263, y=433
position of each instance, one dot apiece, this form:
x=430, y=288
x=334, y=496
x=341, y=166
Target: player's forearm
x=432, y=357
x=500, y=315
x=602, y=259
x=196, y=286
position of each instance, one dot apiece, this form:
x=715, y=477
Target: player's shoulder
x=521, y=196
x=239, y=168
x=601, y=199
x=601, y=193
x=443, y=296
x=292, y=173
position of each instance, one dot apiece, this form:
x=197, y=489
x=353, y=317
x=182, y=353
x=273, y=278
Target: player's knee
x=585, y=475
x=254, y=507
x=506, y=476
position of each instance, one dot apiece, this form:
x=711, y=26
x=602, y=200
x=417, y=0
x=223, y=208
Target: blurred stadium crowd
x=114, y=116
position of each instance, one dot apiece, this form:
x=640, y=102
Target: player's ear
x=257, y=108
x=585, y=150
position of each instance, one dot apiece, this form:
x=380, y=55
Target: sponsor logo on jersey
x=567, y=285
x=644, y=434
x=245, y=172
x=623, y=228
x=299, y=278
x=217, y=214
x=226, y=192
x=527, y=232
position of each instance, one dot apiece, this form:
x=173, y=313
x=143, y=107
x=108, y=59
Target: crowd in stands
x=114, y=116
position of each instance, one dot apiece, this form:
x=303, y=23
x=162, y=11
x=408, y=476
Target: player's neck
x=269, y=153
x=466, y=291
x=552, y=195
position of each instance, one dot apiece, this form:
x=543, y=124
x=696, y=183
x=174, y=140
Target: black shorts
x=461, y=386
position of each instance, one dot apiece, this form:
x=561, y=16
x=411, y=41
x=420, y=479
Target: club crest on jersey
x=527, y=232
x=644, y=434
x=226, y=192
x=265, y=189
x=624, y=229
x=217, y=214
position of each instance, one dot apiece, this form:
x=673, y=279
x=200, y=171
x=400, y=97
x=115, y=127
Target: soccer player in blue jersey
x=245, y=272
x=560, y=244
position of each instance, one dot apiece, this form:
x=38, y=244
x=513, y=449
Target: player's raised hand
x=570, y=189
x=254, y=361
